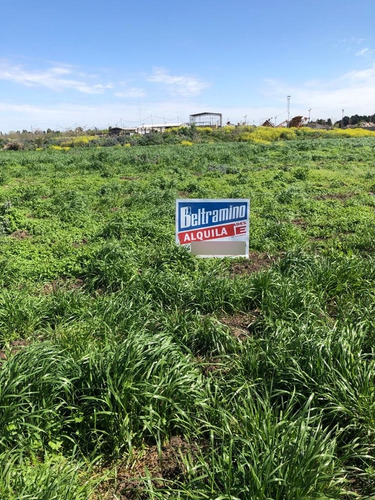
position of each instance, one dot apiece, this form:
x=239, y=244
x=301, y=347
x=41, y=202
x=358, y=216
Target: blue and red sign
x=204, y=220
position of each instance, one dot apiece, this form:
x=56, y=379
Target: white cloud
x=354, y=40
x=354, y=92
x=365, y=52
x=186, y=86
x=362, y=52
x=365, y=76
x=56, y=78
x=132, y=92
x=66, y=115
x=100, y=86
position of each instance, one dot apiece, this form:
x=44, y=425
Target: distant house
x=267, y=123
x=116, y=131
x=206, y=119
x=367, y=125
x=143, y=129
x=319, y=126
x=158, y=127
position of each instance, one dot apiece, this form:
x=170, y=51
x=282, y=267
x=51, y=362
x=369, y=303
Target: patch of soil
x=317, y=245
x=211, y=365
x=56, y=285
x=14, y=347
x=129, y=178
x=50, y=287
x=241, y=325
x=80, y=243
x=210, y=368
x=300, y=223
x=183, y=194
x=258, y=261
x=168, y=465
x=20, y=235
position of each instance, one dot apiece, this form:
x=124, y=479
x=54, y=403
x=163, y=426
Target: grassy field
x=131, y=369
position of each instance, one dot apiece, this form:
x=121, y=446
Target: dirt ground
x=258, y=261
x=160, y=466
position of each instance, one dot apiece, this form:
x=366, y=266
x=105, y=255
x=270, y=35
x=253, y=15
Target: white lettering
x=223, y=214
x=184, y=217
x=204, y=217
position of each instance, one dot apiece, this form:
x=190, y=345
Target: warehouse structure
x=207, y=119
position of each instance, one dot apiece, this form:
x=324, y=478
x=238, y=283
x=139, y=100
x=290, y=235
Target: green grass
x=113, y=340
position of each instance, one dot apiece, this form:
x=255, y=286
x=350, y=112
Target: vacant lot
x=130, y=369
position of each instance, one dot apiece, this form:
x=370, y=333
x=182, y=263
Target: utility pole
x=309, y=114
x=288, y=108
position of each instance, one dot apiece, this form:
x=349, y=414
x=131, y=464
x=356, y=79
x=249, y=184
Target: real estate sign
x=213, y=228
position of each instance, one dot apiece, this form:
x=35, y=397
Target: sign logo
x=207, y=220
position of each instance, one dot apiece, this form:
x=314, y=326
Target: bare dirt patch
x=258, y=261
x=212, y=365
x=77, y=244
x=61, y=285
x=129, y=178
x=183, y=194
x=164, y=465
x=240, y=325
x=20, y=235
x=300, y=223
x=14, y=347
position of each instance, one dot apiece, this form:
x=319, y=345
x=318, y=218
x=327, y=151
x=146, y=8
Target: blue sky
x=99, y=63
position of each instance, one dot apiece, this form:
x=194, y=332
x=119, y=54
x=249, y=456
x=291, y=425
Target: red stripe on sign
x=209, y=233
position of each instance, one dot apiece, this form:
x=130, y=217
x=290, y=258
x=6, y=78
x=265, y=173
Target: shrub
x=13, y=146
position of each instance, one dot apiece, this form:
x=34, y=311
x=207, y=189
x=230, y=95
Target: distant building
x=158, y=127
x=143, y=129
x=116, y=131
x=319, y=126
x=267, y=123
x=207, y=119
